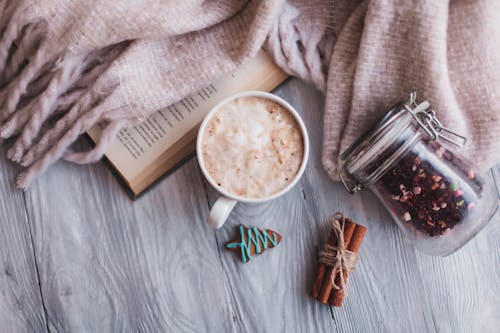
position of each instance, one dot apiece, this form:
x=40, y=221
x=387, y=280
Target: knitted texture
x=446, y=51
x=67, y=65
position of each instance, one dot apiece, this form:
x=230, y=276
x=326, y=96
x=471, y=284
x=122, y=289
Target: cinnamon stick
x=318, y=282
x=355, y=243
x=324, y=294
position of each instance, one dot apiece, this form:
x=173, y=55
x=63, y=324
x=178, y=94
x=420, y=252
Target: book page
x=137, y=147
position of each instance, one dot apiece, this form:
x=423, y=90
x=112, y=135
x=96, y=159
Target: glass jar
x=410, y=161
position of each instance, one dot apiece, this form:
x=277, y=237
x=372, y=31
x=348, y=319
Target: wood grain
x=462, y=289
x=386, y=292
x=21, y=308
x=302, y=218
x=107, y=264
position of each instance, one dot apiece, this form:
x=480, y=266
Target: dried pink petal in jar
x=410, y=161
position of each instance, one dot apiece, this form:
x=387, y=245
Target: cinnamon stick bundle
x=323, y=288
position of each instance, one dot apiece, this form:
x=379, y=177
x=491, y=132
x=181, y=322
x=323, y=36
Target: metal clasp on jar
x=431, y=124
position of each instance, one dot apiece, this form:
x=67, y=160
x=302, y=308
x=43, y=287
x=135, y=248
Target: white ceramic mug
x=226, y=202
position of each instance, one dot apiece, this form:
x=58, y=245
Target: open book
x=142, y=154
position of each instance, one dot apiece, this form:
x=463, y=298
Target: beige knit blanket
x=116, y=62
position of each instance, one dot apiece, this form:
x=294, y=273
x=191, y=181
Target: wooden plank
x=272, y=292
x=391, y=298
x=21, y=308
x=461, y=289
x=108, y=264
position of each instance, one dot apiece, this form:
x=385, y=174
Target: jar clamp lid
x=399, y=117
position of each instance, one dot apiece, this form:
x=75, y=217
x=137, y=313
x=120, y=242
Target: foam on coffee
x=252, y=147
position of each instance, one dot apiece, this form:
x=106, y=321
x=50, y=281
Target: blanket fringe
x=18, y=87
x=84, y=123
x=14, y=125
x=26, y=47
x=49, y=84
x=43, y=106
x=35, y=152
x=299, y=53
x=107, y=136
x=7, y=8
x=55, y=133
x=13, y=28
x=72, y=103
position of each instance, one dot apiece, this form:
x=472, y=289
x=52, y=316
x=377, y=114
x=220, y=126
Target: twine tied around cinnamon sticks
x=337, y=260
x=337, y=256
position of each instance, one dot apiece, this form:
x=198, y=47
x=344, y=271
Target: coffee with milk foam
x=252, y=147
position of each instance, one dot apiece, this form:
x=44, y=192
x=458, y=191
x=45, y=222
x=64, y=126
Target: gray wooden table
x=77, y=255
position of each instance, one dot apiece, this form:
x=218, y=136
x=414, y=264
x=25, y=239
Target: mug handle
x=220, y=211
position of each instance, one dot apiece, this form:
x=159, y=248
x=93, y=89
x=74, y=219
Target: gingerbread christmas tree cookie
x=253, y=240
